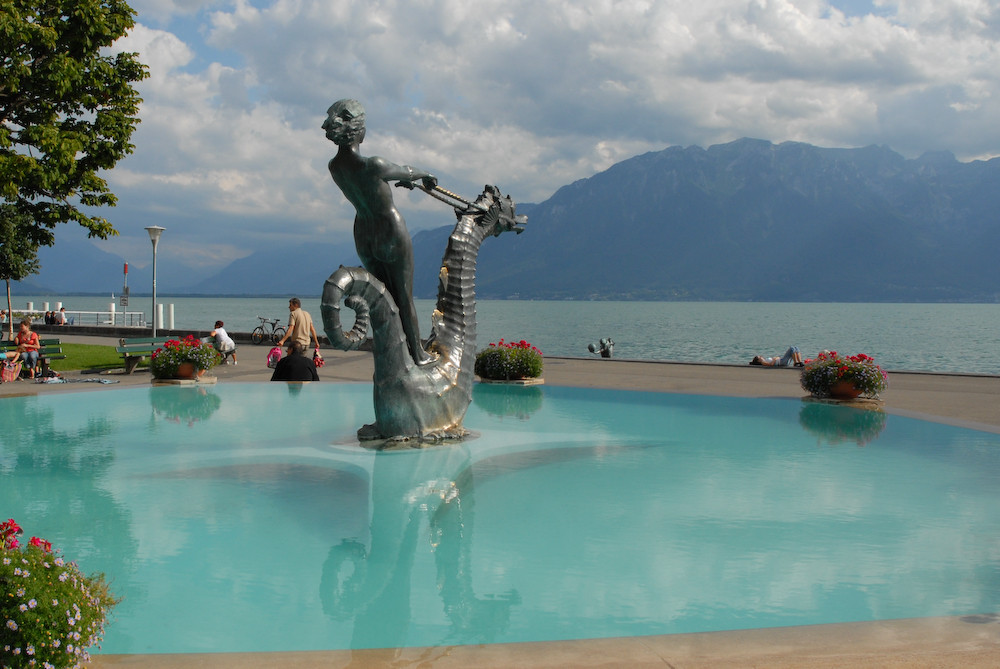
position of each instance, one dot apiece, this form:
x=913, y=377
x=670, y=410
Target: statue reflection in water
x=372, y=585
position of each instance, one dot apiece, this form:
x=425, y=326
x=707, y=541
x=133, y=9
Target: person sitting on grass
x=295, y=366
x=792, y=355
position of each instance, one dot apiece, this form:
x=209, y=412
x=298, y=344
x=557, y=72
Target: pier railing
x=107, y=318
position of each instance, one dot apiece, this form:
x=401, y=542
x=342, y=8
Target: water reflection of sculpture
x=421, y=390
x=836, y=424
x=367, y=583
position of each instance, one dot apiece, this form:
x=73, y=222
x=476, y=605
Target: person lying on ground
x=791, y=356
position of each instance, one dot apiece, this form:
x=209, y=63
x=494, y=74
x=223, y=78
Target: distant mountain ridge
x=747, y=220
x=751, y=220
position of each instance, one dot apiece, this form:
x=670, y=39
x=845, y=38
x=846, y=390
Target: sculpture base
x=371, y=439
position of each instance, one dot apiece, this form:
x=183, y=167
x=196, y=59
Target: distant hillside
x=298, y=270
x=751, y=220
x=748, y=220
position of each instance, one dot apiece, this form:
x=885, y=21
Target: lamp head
x=154, y=233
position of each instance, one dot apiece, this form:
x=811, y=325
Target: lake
x=924, y=337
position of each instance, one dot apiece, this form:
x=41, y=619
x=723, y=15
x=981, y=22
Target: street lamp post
x=154, y=236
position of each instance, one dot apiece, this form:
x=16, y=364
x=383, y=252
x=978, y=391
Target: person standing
x=300, y=325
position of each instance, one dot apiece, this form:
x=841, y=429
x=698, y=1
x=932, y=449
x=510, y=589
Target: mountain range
x=746, y=220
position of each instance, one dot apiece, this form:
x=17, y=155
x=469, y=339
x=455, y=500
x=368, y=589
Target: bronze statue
x=380, y=234
x=418, y=394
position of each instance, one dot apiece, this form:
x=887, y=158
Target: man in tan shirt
x=300, y=325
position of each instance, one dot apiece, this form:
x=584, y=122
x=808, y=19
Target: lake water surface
x=926, y=337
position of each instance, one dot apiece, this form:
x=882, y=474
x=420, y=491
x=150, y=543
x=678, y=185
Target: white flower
x=12, y=625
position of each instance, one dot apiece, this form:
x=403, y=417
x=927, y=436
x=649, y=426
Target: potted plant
x=509, y=361
x=183, y=359
x=50, y=613
x=843, y=377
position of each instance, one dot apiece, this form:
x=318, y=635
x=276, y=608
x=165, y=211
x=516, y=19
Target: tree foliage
x=18, y=253
x=67, y=109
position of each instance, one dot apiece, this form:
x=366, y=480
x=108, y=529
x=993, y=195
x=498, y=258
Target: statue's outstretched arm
x=404, y=175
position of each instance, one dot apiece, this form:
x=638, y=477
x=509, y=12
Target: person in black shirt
x=295, y=366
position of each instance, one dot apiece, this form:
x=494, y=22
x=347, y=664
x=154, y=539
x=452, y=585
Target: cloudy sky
x=529, y=95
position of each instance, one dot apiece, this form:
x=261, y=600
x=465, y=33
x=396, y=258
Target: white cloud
x=528, y=95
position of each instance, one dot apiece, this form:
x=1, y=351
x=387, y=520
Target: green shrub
x=50, y=613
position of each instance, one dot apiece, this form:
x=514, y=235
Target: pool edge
x=961, y=641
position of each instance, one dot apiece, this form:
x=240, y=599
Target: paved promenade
x=968, y=642
x=959, y=399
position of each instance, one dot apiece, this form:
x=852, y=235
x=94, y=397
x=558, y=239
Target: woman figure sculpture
x=380, y=234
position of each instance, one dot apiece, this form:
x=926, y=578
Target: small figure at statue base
x=606, y=349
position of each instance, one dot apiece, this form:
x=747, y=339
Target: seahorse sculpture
x=428, y=401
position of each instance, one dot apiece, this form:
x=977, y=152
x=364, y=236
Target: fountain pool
x=245, y=517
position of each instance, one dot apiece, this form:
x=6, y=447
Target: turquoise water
x=244, y=517
x=927, y=337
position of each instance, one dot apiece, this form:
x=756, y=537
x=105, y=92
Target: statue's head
x=345, y=122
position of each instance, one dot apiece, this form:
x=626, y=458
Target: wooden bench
x=134, y=349
x=48, y=349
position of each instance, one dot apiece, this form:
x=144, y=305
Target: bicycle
x=267, y=330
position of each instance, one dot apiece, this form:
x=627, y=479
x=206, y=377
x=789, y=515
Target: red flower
x=41, y=543
x=8, y=534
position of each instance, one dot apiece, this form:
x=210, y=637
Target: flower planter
x=844, y=390
x=186, y=370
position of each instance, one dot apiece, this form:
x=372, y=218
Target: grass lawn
x=90, y=356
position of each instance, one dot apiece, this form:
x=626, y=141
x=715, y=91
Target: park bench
x=48, y=349
x=134, y=349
